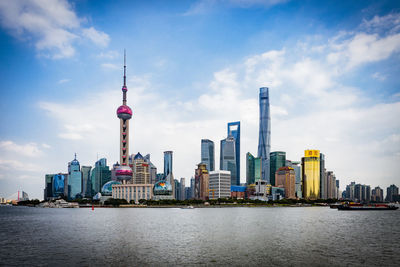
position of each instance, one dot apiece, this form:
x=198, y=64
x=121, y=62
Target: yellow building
x=311, y=174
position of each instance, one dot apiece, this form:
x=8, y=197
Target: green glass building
x=277, y=160
x=253, y=169
x=101, y=174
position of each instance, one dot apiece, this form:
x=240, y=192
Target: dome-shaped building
x=162, y=188
x=106, y=190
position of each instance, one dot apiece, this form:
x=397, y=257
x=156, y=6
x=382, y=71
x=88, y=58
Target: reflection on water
x=210, y=236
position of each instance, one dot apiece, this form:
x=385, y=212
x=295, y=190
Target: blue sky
x=331, y=66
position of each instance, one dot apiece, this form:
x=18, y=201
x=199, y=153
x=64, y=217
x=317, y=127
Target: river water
x=298, y=236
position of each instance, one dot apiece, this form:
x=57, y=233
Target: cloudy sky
x=332, y=68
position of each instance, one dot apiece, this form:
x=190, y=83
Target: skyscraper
x=286, y=178
x=253, y=169
x=323, y=179
x=207, y=154
x=310, y=168
x=228, y=158
x=74, y=179
x=264, y=136
x=141, y=174
x=124, y=113
x=391, y=193
x=234, y=130
x=277, y=160
x=168, y=175
x=86, y=181
x=101, y=174
x=201, y=182
x=220, y=186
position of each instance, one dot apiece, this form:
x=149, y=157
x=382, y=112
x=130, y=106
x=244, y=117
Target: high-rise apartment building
x=228, y=158
x=220, y=184
x=86, y=181
x=310, y=168
x=74, y=179
x=234, y=130
x=201, y=182
x=330, y=185
x=277, y=160
x=253, y=169
x=286, y=178
x=264, y=136
x=362, y=193
x=152, y=169
x=207, y=154
x=323, y=179
x=392, y=193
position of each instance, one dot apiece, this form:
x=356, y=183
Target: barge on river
x=367, y=207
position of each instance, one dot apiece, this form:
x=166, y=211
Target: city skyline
x=321, y=103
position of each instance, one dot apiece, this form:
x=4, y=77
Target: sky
x=332, y=68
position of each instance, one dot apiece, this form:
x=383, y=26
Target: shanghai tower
x=264, y=135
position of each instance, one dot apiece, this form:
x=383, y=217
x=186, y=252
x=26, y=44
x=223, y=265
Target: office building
x=349, y=195
x=277, y=160
x=101, y=174
x=310, y=168
x=48, y=186
x=192, y=187
x=168, y=174
x=228, y=158
x=177, y=189
x=238, y=191
x=234, y=130
x=201, y=180
x=330, y=185
x=141, y=170
x=207, y=154
x=253, y=169
x=377, y=194
x=152, y=169
x=86, y=181
x=286, y=178
x=296, y=165
x=182, y=189
x=219, y=184
x=323, y=178
x=392, y=193
x=74, y=179
x=264, y=136
x=58, y=185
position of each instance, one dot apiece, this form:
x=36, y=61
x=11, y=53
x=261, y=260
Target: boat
x=357, y=206
x=187, y=207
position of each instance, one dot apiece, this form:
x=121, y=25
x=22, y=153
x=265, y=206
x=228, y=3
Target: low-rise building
x=133, y=192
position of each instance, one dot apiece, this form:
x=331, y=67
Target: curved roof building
x=106, y=190
x=162, y=187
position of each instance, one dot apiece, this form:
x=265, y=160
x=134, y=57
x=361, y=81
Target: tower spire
x=124, y=68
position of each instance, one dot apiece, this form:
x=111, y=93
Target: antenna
x=124, y=67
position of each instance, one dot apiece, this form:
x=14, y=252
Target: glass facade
x=58, y=185
x=101, y=174
x=207, y=154
x=234, y=130
x=48, y=191
x=311, y=172
x=277, y=160
x=264, y=136
x=86, y=182
x=228, y=158
x=253, y=169
x=74, y=179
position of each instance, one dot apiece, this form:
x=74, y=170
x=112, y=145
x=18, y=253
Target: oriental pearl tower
x=124, y=113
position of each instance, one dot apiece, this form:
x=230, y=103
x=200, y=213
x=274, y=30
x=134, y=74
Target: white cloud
x=30, y=149
x=52, y=25
x=97, y=37
x=205, y=6
x=379, y=76
x=311, y=107
x=15, y=165
x=110, y=66
x=63, y=81
x=108, y=55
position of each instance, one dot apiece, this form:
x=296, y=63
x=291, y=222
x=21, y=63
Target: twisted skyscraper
x=124, y=113
x=264, y=136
